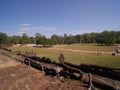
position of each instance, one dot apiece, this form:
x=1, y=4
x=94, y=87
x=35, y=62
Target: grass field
x=93, y=47
x=75, y=57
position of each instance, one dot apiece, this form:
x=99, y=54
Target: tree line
x=102, y=38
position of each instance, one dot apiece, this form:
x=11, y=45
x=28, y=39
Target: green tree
x=15, y=39
x=37, y=35
x=4, y=38
x=44, y=41
x=32, y=40
x=87, y=38
x=107, y=38
x=118, y=37
x=57, y=39
x=25, y=39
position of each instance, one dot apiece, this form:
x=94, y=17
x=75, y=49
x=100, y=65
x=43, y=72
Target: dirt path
x=81, y=51
x=6, y=61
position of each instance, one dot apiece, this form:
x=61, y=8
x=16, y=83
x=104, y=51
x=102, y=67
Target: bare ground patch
x=21, y=77
x=16, y=76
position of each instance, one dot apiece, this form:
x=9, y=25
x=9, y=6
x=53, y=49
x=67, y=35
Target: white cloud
x=25, y=28
x=29, y=27
x=25, y=24
x=44, y=28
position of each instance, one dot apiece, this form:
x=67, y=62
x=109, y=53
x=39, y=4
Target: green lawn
x=93, y=47
x=74, y=57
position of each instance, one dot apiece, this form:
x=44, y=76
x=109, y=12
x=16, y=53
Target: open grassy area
x=93, y=47
x=74, y=57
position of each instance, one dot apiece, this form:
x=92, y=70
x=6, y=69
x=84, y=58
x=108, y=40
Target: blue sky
x=50, y=17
